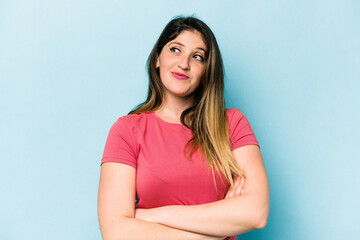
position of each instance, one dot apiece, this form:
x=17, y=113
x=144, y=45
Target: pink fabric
x=155, y=148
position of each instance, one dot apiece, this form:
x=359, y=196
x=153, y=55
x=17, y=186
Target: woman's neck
x=172, y=108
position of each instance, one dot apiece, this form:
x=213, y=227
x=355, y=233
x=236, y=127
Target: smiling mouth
x=179, y=76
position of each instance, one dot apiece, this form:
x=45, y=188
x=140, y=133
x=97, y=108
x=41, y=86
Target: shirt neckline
x=165, y=122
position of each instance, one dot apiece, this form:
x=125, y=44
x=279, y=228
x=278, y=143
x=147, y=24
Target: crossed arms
x=236, y=214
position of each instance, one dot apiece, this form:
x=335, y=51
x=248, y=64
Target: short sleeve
x=241, y=133
x=121, y=145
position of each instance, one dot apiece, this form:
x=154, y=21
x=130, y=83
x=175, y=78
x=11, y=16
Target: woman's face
x=181, y=64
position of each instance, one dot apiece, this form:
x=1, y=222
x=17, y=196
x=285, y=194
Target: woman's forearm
x=227, y=217
x=131, y=228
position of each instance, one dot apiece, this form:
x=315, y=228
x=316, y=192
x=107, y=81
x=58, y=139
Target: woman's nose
x=184, y=62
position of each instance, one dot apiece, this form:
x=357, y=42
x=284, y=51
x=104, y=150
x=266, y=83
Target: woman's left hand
x=237, y=189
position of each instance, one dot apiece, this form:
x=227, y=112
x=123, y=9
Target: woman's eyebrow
x=184, y=46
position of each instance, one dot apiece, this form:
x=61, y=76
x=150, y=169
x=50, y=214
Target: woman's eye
x=174, y=49
x=199, y=58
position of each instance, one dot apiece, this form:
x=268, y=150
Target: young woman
x=193, y=167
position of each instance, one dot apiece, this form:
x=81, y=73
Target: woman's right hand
x=237, y=189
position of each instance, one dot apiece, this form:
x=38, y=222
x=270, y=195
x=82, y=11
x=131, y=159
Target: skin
x=242, y=210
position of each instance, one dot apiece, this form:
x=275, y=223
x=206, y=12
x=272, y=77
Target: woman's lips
x=179, y=76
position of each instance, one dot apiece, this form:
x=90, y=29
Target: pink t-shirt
x=155, y=148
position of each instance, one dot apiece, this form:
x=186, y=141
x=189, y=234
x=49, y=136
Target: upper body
x=155, y=148
x=144, y=153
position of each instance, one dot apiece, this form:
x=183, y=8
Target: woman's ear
x=157, y=62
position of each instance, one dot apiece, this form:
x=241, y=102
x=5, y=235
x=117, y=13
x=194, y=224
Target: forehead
x=190, y=39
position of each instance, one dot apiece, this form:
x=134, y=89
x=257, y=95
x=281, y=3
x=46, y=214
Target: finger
x=239, y=187
x=234, y=188
x=229, y=192
x=243, y=188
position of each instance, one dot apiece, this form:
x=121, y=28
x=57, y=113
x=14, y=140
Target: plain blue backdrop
x=70, y=68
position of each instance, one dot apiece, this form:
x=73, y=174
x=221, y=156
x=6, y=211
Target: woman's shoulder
x=233, y=112
x=132, y=124
x=236, y=118
x=240, y=129
x=134, y=116
x=133, y=119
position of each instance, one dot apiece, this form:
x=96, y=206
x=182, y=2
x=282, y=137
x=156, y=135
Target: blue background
x=70, y=68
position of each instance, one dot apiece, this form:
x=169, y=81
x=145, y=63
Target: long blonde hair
x=207, y=117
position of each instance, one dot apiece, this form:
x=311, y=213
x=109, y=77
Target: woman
x=194, y=167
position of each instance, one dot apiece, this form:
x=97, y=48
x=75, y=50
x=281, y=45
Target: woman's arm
x=116, y=204
x=227, y=217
